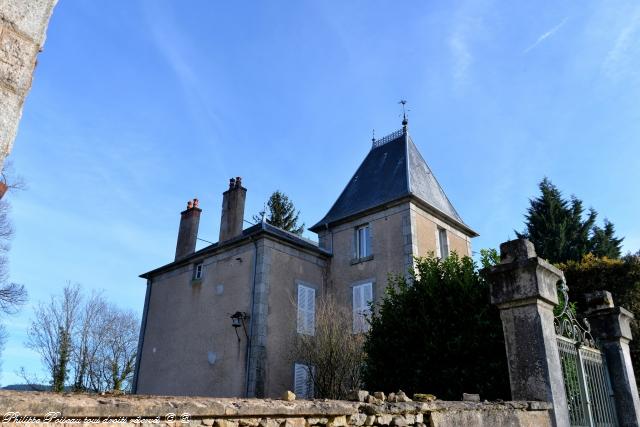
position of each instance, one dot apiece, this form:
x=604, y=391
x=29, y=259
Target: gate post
x=611, y=326
x=524, y=287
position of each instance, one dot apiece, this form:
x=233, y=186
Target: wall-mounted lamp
x=238, y=319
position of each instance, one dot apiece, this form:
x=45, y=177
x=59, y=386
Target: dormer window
x=363, y=241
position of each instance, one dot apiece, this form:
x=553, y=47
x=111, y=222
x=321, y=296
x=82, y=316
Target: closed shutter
x=302, y=384
x=362, y=297
x=306, y=310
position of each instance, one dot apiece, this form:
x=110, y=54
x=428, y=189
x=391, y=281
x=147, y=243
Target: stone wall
x=23, y=24
x=36, y=408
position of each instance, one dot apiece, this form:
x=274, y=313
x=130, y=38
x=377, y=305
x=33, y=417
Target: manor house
x=221, y=321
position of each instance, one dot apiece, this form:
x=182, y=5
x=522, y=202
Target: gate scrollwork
x=566, y=323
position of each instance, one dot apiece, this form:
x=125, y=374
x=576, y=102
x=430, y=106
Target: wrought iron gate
x=584, y=370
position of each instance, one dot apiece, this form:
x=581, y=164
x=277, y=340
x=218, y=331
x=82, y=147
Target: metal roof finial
x=373, y=135
x=405, y=121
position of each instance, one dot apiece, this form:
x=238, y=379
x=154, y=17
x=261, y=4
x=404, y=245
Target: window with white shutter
x=306, y=310
x=443, y=243
x=362, y=297
x=363, y=241
x=302, y=381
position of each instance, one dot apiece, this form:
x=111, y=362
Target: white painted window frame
x=361, y=296
x=306, y=309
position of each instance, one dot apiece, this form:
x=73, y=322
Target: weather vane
x=405, y=122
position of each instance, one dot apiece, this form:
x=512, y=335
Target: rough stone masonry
x=23, y=24
x=38, y=408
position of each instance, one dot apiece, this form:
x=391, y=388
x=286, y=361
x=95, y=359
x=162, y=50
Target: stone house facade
x=221, y=321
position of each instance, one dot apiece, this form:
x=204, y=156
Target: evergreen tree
x=604, y=243
x=559, y=230
x=281, y=213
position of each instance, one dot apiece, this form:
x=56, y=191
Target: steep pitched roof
x=393, y=169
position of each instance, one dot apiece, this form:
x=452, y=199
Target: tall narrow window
x=197, y=271
x=363, y=241
x=302, y=381
x=306, y=310
x=362, y=297
x=443, y=243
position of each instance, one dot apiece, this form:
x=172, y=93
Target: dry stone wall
x=23, y=24
x=38, y=409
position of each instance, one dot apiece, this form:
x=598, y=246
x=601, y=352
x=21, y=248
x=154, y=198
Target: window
x=197, y=272
x=363, y=241
x=306, y=310
x=362, y=297
x=443, y=243
x=302, y=381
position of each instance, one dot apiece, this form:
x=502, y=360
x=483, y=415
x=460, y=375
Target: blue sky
x=138, y=106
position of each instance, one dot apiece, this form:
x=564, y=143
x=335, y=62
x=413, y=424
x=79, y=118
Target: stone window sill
x=360, y=260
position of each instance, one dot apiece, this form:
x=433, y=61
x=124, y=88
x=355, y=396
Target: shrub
x=436, y=331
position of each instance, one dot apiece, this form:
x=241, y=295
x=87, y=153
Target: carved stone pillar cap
x=516, y=250
x=611, y=323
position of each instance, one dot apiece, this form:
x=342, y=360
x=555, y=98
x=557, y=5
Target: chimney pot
x=196, y=202
x=232, y=210
x=188, y=231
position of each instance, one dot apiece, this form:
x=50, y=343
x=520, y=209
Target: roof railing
x=385, y=139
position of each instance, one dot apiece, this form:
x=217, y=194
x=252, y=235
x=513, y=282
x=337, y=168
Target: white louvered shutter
x=302, y=386
x=306, y=310
x=362, y=296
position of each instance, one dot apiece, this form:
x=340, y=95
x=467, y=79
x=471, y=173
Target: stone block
x=358, y=395
x=339, y=421
x=370, y=420
x=295, y=422
x=399, y=421
x=380, y=396
x=29, y=17
x=226, y=423
x=419, y=418
x=317, y=421
x=357, y=419
x=17, y=60
x=384, y=420
x=289, y=396
x=470, y=397
x=10, y=112
x=249, y=422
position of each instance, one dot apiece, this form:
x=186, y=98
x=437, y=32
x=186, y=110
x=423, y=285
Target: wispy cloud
x=177, y=49
x=622, y=56
x=462, y=57
x=468, y=27
x=545, y=36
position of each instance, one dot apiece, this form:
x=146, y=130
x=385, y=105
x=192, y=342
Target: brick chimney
x=232, y=210
x=188, y=231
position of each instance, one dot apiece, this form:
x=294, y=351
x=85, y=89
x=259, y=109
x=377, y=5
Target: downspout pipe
x=251, y=317
x=143, y=328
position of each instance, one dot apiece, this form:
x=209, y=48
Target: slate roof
x=393, y=169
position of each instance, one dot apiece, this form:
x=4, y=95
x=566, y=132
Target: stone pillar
x=23, y=25
x=524, y=287
x=188, y=231
x=610, y=326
